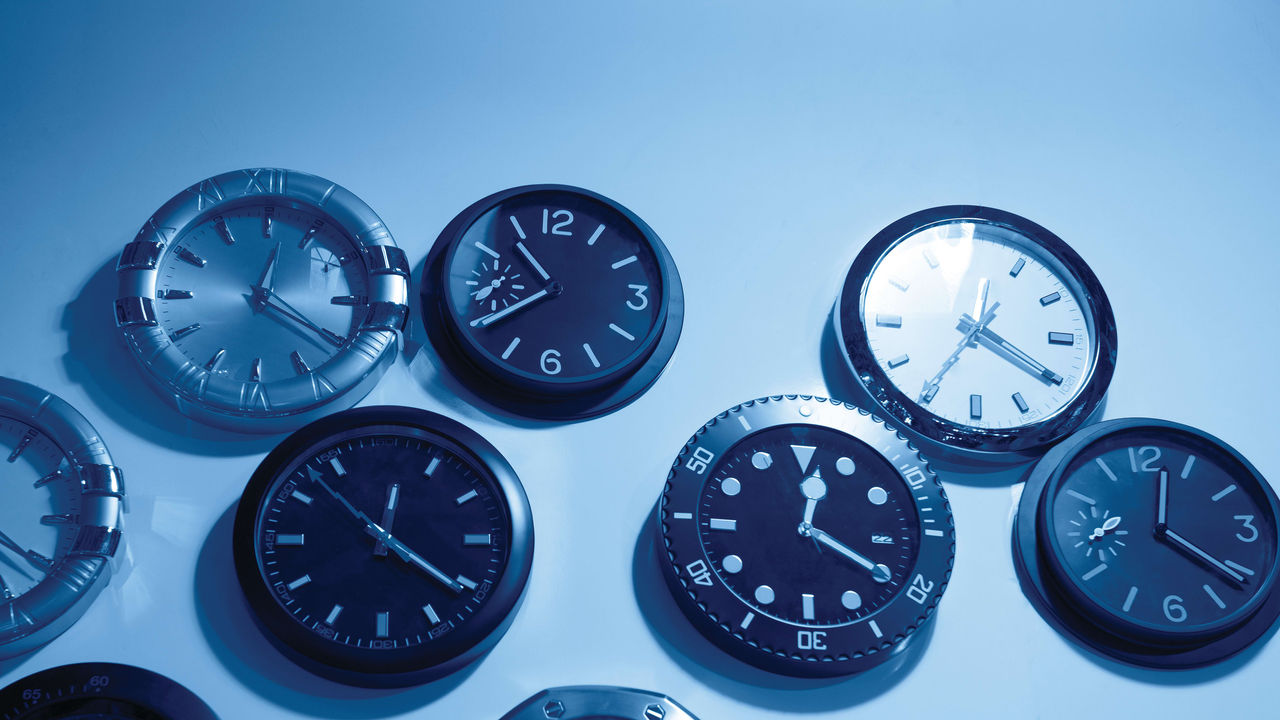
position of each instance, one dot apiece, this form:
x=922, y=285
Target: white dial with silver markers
x=977, y=329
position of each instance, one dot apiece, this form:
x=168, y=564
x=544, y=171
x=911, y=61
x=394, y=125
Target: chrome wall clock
x=977, y=329
x=805, y=537
x=552, y=301
x=383, y=546
x=60, y=519
x=100, y=691
x=258, y=300
x=598, y=702
x=1151, y=542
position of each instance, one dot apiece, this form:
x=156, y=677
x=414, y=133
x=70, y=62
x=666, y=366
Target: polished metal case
x=598, y=702
x=223, y=402
x=1016, y=443
x=52, y=606
x=853, y=649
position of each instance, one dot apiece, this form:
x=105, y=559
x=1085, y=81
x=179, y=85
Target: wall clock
x=383, y=546
x=260, y=299
x=804, y=536
x=552, y=301
x=1150, y=542
x=977, y=329
x=100, y=691
x=598, y=702
x=61, y=520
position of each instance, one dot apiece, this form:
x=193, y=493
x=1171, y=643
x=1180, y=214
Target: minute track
x=775, y=597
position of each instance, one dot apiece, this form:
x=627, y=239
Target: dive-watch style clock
x=552, y=301
x=598, y=702
x=1150, y=542
x=100, y=691
x=60, y=520
x=384, y=546
x=977, y=329
x=260, y=299
x=804, y=536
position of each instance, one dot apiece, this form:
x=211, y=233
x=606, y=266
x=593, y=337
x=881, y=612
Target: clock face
x=1150, y=542
x=41, y=512
x=1162, y=532
x=261, y=292
x=100, y=691
x=557, y=294
x=258, y=299
x=800, y=546
x=384, y=547
x=979, y=328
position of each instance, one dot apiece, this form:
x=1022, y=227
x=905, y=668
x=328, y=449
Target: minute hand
x=879, y=573
x=492, y=318
x=988, y=337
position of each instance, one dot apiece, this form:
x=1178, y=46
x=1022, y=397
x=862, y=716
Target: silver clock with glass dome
x=260, y=299
x=977, y=329
x=61, y=519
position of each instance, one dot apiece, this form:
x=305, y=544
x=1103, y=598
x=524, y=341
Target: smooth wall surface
x=766, y=143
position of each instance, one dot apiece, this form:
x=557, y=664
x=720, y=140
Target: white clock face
x=979, y=325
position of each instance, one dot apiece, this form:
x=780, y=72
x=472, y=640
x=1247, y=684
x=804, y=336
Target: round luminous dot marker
x=851, y=600
x=845, y=466
x=730, y=486
x=805, y=410
x=732, y=564
x=764, y=594
x=762, y=460
x=877, y=495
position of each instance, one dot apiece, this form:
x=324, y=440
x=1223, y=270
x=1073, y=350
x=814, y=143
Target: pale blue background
x=765, y=142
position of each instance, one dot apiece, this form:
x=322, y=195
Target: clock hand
x=485, y=292
x=1111, y=524
x=400, y=548
x=269, y=270
x=988, y=337
x=388, y=517
x=536, y=265
x=492, y=318
x=980, y=305
x=1162, y=505
x=879, y=573
x=814, y=489
x=41, y=563
x=265, y=298
x=1183, y=544
x=931, y=387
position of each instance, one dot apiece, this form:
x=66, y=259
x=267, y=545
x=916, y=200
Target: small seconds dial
x=1160, y=540
x=386, y=550
x=563, y=297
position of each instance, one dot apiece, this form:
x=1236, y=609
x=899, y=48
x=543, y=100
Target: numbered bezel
x=56, y=602
x=221, y=401
x=1022, y=441
x=850, y=648
x=126, y=693
x=395, y=667
x=598, y=702
x=1048, y=585
x=524, y=393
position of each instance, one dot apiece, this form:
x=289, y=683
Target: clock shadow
x=243, y=650
x=738, y=680
x=952, y=466
x=98, y=360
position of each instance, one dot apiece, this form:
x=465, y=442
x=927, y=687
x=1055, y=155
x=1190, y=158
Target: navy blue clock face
x=553, y=301
x=1161, y=533
x=382, y=547
x=853, y=558
x=556, y=288
x=804, y=537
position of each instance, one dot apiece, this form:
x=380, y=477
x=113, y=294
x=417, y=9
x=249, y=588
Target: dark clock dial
x=805, y=537
x=1155, y=536
x=100, y=691
x=385, y=546
x=565, y=298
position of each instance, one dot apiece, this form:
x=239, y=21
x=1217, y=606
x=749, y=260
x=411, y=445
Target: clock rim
x=1012, y=444
x=139, y=686
x=399, y=667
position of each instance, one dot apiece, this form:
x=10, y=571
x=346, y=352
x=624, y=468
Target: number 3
x=1247, y=521
x=644, y=301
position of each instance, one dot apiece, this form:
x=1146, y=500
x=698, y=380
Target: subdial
x=1100, y=532
x=495, y=285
